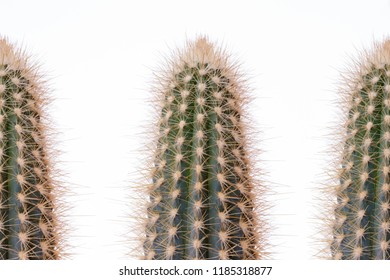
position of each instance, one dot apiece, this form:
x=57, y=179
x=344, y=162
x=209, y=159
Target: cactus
x=361, y=228
x=28, y=223
x=202, y=192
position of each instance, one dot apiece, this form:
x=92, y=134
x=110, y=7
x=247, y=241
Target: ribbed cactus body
x=201, y=199
x=362, y=225
x=27, y=221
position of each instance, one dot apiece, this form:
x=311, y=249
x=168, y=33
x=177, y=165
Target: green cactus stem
x=202, y=199
x=28, y=224
x=362, y=223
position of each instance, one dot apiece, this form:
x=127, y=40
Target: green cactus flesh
x=201, y=200
x=362, y=226
x=27, y=221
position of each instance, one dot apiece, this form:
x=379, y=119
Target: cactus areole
x=27, y=221
x=362, y=225
x=201, y=199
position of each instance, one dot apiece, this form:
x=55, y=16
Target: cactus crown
x=201, y=201
x=361, y=229
x=28, y=223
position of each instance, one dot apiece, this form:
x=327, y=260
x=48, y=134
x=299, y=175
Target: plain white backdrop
x=99, y=56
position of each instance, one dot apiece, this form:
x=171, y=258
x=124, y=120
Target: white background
x=99, y=56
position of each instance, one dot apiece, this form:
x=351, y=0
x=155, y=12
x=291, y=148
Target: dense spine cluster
x=28, y=226
x=202, y=196
x=362, y=225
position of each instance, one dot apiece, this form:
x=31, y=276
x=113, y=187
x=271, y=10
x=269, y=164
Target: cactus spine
x=202, y=192
x=28, y=225
x=362, y=226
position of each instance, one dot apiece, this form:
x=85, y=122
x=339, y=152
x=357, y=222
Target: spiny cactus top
x=28, y=226
x=202, y=197
x=362, y=226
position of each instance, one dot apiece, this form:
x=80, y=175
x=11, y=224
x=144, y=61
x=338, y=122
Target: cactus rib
x=28, y=224
x=361, y=229
x=202, y=196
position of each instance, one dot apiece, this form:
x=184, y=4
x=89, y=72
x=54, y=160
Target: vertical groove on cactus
x=362, y=225
x=202, y=196
x=28, y=223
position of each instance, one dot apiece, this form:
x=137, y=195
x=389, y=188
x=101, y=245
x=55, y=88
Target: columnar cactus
x=28, y=224
x=362, y=223
x=201, y=199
